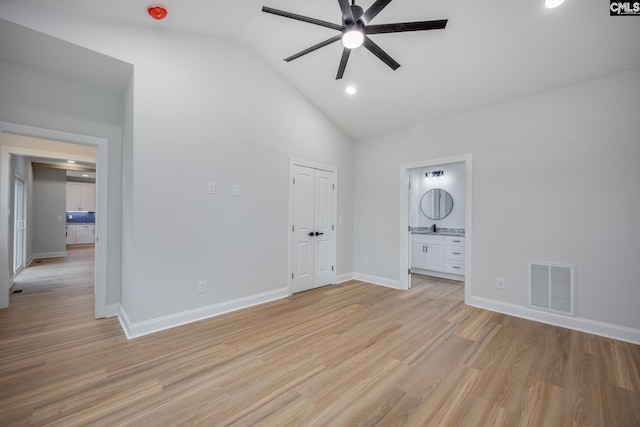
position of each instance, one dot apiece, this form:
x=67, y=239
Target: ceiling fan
x=355, y=30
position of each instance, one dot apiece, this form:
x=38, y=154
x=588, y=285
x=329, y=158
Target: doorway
x=101, y=160
x=443, y=262
x=313, y=212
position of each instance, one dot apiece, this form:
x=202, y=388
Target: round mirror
x=436, y=203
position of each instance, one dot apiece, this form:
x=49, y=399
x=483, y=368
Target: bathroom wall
x=452, y=181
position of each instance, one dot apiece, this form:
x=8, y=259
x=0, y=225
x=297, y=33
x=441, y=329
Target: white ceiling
x=491, y=51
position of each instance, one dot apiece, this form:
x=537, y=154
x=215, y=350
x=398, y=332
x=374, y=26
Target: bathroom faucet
x=433, y=228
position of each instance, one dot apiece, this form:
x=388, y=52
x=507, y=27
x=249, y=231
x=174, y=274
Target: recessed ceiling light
x=71, y=161
x=84, y=175
x=350, y=90
x=553, y=3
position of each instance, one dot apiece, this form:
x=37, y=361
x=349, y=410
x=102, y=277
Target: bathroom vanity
x=439, y=253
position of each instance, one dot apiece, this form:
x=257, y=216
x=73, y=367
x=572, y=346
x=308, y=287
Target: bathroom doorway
x=436, y=193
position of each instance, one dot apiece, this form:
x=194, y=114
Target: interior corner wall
x=40, y=99
x=555, y=178
x=238, y=123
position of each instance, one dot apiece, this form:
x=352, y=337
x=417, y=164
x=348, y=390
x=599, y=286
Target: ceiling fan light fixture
x=352, y=38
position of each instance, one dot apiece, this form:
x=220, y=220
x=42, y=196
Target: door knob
x=319, y=234
x=311, y=234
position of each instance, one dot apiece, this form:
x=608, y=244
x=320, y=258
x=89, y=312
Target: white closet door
x=314, y=228
x=303, y=211
x=323, y=233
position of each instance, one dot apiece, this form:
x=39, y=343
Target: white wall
x=452, y=182
x=40, y=99
x=206, y=110
x=539, y=165
x=49, y=222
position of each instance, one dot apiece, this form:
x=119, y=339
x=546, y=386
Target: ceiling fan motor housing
x=357, y=13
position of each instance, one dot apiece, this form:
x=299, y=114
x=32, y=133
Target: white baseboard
x=112, y=310
x=42, y=255
x=344, y=278
x=382, y=281
x=608, y=330
x=138, y=329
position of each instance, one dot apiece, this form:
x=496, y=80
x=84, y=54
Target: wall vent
x=552, y=287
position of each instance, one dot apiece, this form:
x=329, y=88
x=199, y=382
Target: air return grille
x=552, y=287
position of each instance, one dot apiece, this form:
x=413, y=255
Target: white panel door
x=313, y=228
x=324, y=235
x=303, y=212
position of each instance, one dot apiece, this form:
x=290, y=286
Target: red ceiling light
x=157, y=12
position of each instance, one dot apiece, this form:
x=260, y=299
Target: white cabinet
x=437, y=253
x=71, y=234
x=85, y=233
x=81, y=196
x=81, y=234
x=427, y=252
x=454, y=255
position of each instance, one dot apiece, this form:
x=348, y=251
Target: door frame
x=404, y=218
x=102, y=168
x=292, y=164
x=23, y=208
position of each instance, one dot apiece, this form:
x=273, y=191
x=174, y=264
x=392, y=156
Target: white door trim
x=102, y=167
x=292, y=163
x=404, y=218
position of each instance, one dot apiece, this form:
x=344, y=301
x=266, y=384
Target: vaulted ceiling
x=490, y=52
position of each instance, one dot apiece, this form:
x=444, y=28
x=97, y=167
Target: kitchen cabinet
x=81, y=196
x=80, y=234
x=71, y=234
x=438, y=253
x=85, y=233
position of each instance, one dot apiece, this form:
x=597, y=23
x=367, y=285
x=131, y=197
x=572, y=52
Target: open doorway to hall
x=49, y=189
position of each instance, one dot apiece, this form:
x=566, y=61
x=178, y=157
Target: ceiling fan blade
x=343, y=63
x=302, y=18
x=406, y=26
x=314, y=47
x=374, y=10
x=347, y=13
x=377, y=51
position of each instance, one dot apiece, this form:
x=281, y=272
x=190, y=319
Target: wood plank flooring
x=354, y=354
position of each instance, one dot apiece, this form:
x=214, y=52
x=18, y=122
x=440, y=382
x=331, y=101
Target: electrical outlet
x=202, y=286
x=365, y=261
x=500, y=283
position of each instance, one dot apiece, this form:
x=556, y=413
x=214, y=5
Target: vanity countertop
x=457, y=232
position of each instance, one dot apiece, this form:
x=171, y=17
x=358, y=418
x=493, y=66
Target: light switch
x=211, y=188
x=235, y=190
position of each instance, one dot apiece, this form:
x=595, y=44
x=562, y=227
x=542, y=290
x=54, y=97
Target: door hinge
x=333, y=227
x=409, y=271
x=294, y=180
x=293, y=228
x=409, y=185
x=332, y=268
x=409, y=228
x=334, y=186
x=292, y=275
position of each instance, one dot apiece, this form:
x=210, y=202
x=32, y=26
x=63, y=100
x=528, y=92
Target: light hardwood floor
x=346, y=355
